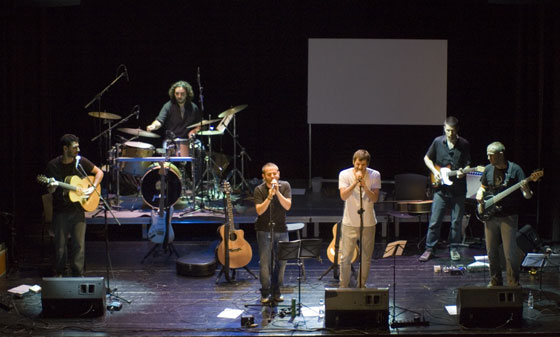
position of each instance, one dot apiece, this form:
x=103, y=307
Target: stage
x=157, y=300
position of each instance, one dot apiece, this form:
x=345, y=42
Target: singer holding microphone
x=69, y=217
x=355, y=183
x=178, y=113
x=273, y=198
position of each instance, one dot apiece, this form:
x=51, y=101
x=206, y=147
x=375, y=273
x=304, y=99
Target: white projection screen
x=377, y=81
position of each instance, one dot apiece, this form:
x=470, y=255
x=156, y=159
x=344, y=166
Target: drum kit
x=135, y=165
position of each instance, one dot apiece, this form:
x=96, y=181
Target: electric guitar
x=333, y=251
x=486, y=209
x=75, y=186
x=234, y=251
x=161, y=231
x=445, y=173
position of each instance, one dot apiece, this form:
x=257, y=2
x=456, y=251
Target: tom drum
x=136, y=150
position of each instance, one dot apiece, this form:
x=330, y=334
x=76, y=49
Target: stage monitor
x=73, y=297
x=484, y=307
x=357, y=308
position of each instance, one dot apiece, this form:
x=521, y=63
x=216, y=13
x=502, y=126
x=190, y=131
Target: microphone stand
x=361, y=213
x=107, y=208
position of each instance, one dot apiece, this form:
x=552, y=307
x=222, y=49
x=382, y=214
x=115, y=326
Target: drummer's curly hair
x=185, y=85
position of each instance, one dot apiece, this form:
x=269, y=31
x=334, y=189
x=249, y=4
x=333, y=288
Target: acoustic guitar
x=75, y=186
x=486, y=209
x=234, y=251
x=333, y=251
x=445, y=173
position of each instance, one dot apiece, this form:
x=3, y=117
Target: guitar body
x=75, y=185
x=331, y=249
x=445, y=173
x=157, y=230
x=234, y=251
x=239, y=250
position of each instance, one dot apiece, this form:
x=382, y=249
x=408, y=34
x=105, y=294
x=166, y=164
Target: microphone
x=274, y=183
x=137, y=109
x=126, y=73
x=78, y=157
x=198, y=75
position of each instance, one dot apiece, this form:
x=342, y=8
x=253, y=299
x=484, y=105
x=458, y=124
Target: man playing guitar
x=502, y=226
x=454, y=151
x=69, y=217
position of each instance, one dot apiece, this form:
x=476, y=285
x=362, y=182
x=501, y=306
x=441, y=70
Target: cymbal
x=203, y=122
x=210, y=133
x=139, y=132
x=103, y=115
x=232, y=111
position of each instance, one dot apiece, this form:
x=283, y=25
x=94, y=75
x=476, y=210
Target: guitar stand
x=231, y=277
x=169, y=249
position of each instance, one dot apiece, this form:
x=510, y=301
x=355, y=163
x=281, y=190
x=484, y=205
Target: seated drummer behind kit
x=179, y=112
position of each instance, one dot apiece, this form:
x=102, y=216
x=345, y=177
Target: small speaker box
x=493, y=307
x=73, y=297
x=357, y=308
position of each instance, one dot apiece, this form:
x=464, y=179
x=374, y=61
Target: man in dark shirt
x=454, y=152
x=502, y=226
x=272, y=199
x=179, y=113
x=68, y=216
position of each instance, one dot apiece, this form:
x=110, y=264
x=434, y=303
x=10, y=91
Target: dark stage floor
x=165, y=303
x=162, y=302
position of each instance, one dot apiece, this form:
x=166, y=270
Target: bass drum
x=151, y=185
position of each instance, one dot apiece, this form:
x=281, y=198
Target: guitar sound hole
x=232, y=237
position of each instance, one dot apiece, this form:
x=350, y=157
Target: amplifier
x=490, y=307
x=357, y=308
x=71, y=297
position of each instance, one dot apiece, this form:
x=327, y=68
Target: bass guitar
x=486, y=209
x=161, y=231
x=234, y=251
x=75, y=186
x=446, y=173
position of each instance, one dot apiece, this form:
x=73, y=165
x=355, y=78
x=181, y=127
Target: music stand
x=393, y=249
x=298, y=250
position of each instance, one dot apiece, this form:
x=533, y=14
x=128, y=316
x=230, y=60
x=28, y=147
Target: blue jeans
x=439, y=205
x=72, y=224
x=271, y=285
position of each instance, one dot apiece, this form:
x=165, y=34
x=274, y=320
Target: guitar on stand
x=234, y=251
x=486, y=209
x=161, y=231
x=333, y=253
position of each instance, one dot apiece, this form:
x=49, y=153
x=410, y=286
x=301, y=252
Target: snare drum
x=151, y=185
x=136, y=150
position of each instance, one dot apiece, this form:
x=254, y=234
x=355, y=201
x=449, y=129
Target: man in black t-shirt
x=68, y=216
x=179, y=113
x=502, y=226
x=273, y=198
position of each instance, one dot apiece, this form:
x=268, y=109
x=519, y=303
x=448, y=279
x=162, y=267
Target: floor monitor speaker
x=73, y=297
x=357, y=308
x=484, y=307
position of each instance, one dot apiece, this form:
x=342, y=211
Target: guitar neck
x=455, y=172
x=498, y=197
x=67, y=186
x=230, y=213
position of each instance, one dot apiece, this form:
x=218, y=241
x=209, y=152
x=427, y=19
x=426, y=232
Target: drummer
x=179, y=113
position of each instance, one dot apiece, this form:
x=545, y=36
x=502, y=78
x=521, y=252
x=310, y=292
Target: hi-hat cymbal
x=210, y=133
x=232, y=111
x=203, y=122
x=139, y=132
x=103, y=115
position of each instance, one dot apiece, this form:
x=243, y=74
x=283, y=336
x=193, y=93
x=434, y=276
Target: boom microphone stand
x=107, y=208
